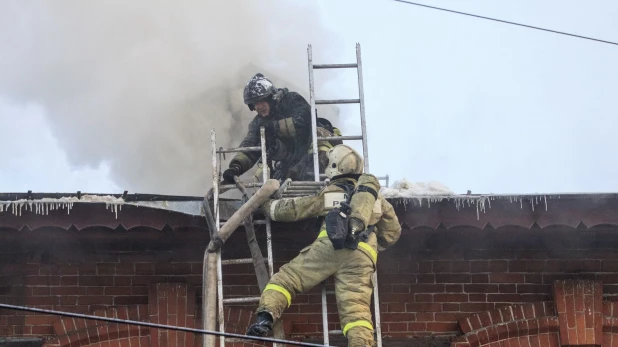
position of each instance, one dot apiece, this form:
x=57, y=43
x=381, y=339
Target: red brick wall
x=432, y=278
x=71, y=331
x=428, y=281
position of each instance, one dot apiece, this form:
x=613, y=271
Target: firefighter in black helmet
x=286, y=117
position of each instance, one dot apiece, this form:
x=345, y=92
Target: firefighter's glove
x=355, y=226
x=228, y=175
x=263, y=325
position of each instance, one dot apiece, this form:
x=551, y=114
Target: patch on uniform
x=334, y=199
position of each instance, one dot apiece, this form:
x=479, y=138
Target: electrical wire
x=507, y=22
x=160, y=326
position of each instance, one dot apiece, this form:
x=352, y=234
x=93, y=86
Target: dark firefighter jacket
x=293, y=117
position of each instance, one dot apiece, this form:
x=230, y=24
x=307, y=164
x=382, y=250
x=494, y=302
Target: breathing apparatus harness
x=338, y=222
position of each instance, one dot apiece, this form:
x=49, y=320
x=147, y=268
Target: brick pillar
x=171, y=304
x=580, y=312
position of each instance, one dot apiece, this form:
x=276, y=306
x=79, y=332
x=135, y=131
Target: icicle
x=521, y=203
x=532, y=203
x=545, y=198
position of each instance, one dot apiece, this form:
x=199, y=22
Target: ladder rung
x=315, y=186
x=302, y=189
x=301, y=192
x=328, y=138
x=241, y=300
x=240, y=149
x=298, y=195
x=248, y=185
x=238, y=261
x=324, y=176
x=337, y=101
x=307, y=183
x=335, y=332
x=334, y=66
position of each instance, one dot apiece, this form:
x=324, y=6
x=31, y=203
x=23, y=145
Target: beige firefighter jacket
x=379, y=213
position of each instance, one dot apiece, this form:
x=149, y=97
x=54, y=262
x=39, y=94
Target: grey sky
x=486, y=106
x=472, y=104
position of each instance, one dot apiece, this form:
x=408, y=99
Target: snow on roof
x=402, y=192
x=435, y=192
x=407, y=189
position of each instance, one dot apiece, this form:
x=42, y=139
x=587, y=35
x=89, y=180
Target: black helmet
x=258, y=88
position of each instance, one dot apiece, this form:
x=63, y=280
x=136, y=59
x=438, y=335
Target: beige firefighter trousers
x=352, y=269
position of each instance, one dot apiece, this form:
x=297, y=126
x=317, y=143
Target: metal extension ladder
x=255, y=251
x=361, y=100
x=289, y=189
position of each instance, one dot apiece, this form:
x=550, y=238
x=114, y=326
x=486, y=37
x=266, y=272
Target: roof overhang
x=583, y=211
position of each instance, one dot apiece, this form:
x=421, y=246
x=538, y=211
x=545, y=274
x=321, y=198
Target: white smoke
x=139, y=84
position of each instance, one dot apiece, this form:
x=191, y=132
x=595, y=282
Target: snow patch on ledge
x=407, y=189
